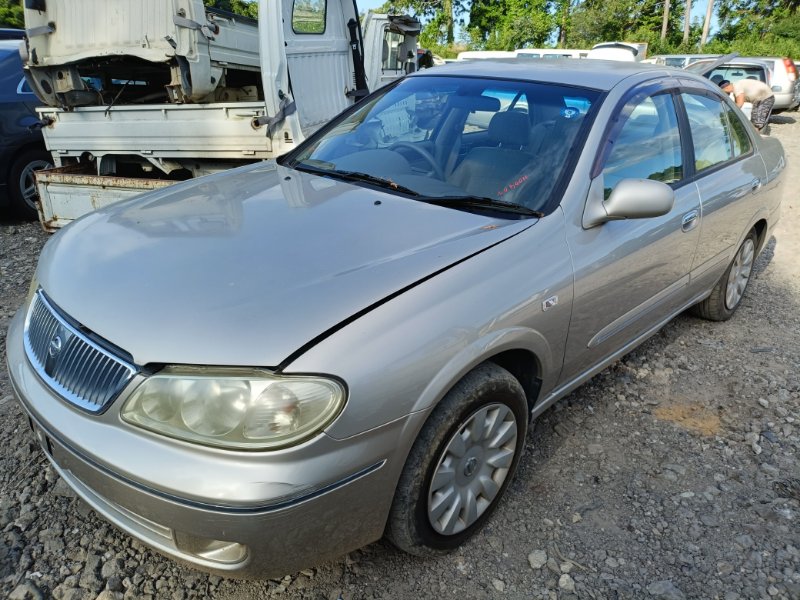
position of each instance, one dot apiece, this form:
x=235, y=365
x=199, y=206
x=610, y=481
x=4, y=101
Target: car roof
x=590, y=73
x=741, y=60
x=10, y=44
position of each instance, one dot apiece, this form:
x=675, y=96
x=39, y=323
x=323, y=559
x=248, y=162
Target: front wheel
x=22, y=185
x=461, y=463
x=729, y=291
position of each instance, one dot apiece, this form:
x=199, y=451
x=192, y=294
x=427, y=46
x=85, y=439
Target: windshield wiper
x=483, y=202
x=382, y=182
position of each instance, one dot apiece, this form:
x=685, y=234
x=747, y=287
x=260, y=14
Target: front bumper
x=236, y=514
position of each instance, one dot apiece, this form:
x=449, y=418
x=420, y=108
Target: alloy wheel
x=27, y=183
x=739, y=274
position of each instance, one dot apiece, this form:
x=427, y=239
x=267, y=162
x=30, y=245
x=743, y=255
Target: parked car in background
x=11, y=34
x=550, y=53
x=679, y=61
x=352, y=340
x=733, y=68
x=22, y=149
x=785, y=82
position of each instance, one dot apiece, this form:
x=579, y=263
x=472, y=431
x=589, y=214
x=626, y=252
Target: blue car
x=11, y=34
x=22, y=149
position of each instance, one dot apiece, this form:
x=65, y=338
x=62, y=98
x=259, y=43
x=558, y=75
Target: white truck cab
x=142, y=93
x=396, y=38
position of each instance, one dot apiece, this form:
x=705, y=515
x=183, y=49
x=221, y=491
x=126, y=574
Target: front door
x=632, y=274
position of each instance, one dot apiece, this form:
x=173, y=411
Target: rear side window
x=308, y=16
x=648, y=145
x=741, y=141
x=711, y=132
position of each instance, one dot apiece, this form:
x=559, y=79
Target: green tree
x=247, y=8
x=510, y=24
x=757, y=28
x=595, y=21
x=11, y=14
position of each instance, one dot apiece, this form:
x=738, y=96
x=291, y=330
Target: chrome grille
x=78, y=369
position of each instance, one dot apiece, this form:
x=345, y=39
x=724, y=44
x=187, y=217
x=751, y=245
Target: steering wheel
x=435, y=168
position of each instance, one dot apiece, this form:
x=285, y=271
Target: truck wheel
x=727, y=294
x=22, y=186
x=461, y=463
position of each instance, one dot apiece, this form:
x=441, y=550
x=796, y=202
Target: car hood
x=248, y=266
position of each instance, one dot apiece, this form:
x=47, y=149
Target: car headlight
x=238, y=409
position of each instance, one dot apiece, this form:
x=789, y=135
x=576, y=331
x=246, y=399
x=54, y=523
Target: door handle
x=689, y=220
x=755, y=184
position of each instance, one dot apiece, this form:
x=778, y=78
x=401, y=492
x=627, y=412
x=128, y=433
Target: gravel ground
x=673, y=474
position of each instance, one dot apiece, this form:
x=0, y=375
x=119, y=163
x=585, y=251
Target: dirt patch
x=693, y=417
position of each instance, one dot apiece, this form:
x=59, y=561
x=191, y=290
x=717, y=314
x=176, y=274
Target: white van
x=618, y=51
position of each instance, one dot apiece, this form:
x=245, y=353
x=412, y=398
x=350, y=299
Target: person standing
x=758, y=93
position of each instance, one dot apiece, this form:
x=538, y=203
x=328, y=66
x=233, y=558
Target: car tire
x=454, y=478
x=727, y=294
x=21, y=185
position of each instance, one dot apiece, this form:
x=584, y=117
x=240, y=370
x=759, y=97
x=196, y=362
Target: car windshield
x=464, y=142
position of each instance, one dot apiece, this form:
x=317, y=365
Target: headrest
x=509, y=128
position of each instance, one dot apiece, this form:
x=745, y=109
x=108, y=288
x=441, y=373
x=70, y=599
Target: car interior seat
x=487, y=171
x=551, y=140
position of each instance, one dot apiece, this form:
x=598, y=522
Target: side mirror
x=630, y=199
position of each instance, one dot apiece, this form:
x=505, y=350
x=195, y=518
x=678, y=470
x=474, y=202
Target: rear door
x=727, y=170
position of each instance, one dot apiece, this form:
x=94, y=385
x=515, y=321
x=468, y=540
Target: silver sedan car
x=264, y=369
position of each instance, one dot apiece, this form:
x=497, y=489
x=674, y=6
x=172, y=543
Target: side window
x=711, y=132
x=23, y=87
x=308, y=16
x=741, y=141
x=392, y=45
x=648, y=145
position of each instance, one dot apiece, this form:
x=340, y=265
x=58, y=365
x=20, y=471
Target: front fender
x=403, y=356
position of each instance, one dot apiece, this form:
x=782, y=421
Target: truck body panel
x=131, y=105
x=67, y=193
x=220, y=130
x=73, y=40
